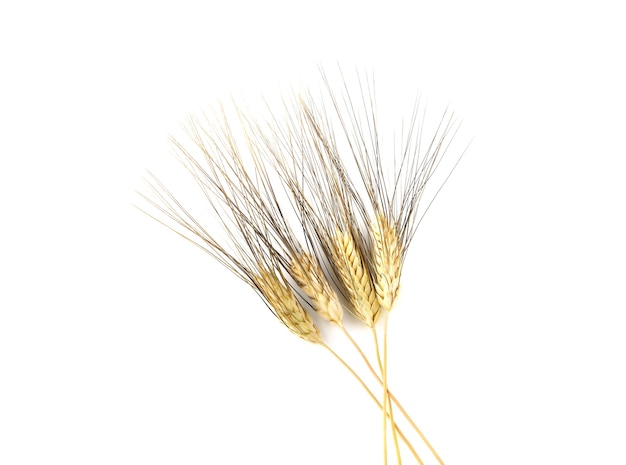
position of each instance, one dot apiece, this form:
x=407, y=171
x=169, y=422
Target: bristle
x=356, y=279
x=282, y=299
x=387, y=261
x=308, y=274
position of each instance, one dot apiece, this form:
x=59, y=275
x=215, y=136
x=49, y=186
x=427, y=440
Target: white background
x=122, y=344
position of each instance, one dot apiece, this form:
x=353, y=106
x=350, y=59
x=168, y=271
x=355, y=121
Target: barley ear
x=308, y=274
x=355, y=278
x=286, y=306
x=387, y=261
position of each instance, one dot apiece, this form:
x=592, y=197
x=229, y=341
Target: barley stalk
x=282, y=299
x=355, y=278
x=306, y=151
x=305, y=270
x=387, y=261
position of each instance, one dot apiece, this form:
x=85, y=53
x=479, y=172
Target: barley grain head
x=355, y=278
x=308, y=274
x=387, y=261
x=282, y=300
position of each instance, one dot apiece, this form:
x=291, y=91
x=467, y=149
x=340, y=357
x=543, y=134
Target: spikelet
x=356, y=279
x=387, y=261
x=308, y=274
x=282, y=299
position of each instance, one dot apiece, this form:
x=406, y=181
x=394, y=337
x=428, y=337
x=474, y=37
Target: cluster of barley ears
x=335, y=232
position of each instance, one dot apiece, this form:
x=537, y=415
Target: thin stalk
x=371, y=394
x=383, y=371
x=386, y=402
x=417, y=430
x=378, y=358
x=386, y=389
x=391, y=396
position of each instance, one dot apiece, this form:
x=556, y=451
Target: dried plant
x=280, y=297
x=309, y=275
x=353, y=232
x=388, y=263
x=348, y=261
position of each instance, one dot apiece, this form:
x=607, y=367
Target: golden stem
x=386, y=389
x=362, y=383
x=385, y=397
x=391, y=396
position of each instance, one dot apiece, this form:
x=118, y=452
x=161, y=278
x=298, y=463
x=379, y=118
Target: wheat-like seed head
x=387, y=261
x=355, y=278
x=308, y=274
x=282, y=299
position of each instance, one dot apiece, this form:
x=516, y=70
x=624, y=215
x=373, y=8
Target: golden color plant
x=335, y=235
